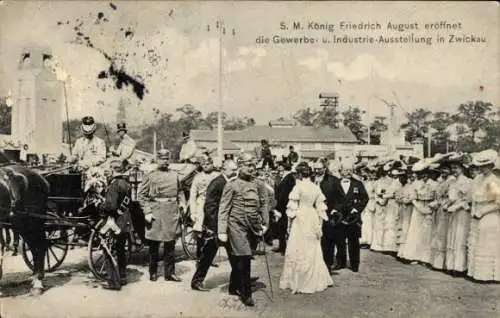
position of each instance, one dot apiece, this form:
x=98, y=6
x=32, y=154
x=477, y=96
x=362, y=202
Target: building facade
x=309, y=142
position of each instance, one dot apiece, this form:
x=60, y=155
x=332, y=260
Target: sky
x=263, y=81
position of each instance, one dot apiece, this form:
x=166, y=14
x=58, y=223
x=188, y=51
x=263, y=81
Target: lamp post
x=221, y=29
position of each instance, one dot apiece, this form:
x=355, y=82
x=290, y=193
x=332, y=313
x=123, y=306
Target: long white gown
x=304, y=270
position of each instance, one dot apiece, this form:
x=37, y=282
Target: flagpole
x=220, y=127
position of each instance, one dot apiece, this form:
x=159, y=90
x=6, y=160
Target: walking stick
x=267, y=267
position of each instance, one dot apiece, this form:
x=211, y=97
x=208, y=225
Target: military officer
x=116, y=207
x=89, y=150
x=240, y=218
x=127, y=145
x=163, y=200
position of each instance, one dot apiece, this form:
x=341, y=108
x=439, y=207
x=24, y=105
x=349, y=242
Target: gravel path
x=384, y=287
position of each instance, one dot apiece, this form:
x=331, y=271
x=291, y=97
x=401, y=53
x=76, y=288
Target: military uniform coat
x=161, y=194
x=240, y=214
x=117, y=201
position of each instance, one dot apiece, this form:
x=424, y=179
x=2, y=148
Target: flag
x=481, y=88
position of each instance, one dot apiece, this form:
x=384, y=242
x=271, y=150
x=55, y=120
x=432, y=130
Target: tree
x=123, y=105
x=474, y=114
x=5, y=117
x=212, y=119
x=440, y=136
x=305, y=116
x=416, y=126
x=352, y=120
x=377, y=127
x=328, y=116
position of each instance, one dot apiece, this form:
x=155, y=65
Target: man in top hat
x=89, y=150
x=350, y=201
x=188, y=150
x=162, y=199
x=127, y=145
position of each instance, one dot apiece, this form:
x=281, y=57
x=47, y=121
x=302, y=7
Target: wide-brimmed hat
x=397, y=172
x=420, y=165
x=88, y=125
x=246, y=158
x=121, y=127
x=485, y=157
x=317, y=165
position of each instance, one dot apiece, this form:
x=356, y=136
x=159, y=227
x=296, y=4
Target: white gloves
x=149, y=217
x=222, y=237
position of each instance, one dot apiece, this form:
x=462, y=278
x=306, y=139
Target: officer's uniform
x=116, y=205
x=89, y=150
x=161, y=196
x=240, y=217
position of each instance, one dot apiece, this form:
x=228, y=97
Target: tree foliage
x=5, y=117
x=377, y=127
x=417, y=124
x=352, y=118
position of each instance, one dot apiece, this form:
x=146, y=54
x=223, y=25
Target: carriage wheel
x=96, y=259
x=57, y=248
x=188, y=237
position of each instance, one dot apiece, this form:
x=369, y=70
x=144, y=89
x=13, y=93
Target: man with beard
x=197, y=195
x=89, y=150
x=350, y=200
x=326, y=182
x=209, y=234
x=162, y=199
x=240, y=218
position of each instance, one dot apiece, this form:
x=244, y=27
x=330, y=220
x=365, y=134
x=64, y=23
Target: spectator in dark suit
x=293, y=157
x=266, y=155
x=350, y=200
x=282, y=192
x=209, y=234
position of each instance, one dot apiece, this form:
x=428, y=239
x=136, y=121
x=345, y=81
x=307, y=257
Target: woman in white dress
x=458, y=208
x=389, y=243
x=485, y=253
x=418, y=240
x=368, y=213
x=304, y=270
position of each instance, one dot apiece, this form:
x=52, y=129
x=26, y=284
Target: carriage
x=73, y=219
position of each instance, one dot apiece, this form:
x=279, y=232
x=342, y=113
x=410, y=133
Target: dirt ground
x=384, y=287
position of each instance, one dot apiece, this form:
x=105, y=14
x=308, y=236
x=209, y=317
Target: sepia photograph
x=249, y=159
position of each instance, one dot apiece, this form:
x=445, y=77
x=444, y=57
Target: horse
x=23, y=204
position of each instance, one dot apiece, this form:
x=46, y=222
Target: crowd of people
x=443, y=212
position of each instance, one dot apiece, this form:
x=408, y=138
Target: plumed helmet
x=121, y=127
x=163, y=154
x=88, y=125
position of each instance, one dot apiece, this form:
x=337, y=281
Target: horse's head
x=10, y=186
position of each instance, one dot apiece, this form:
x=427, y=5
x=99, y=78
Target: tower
x=39, y=100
